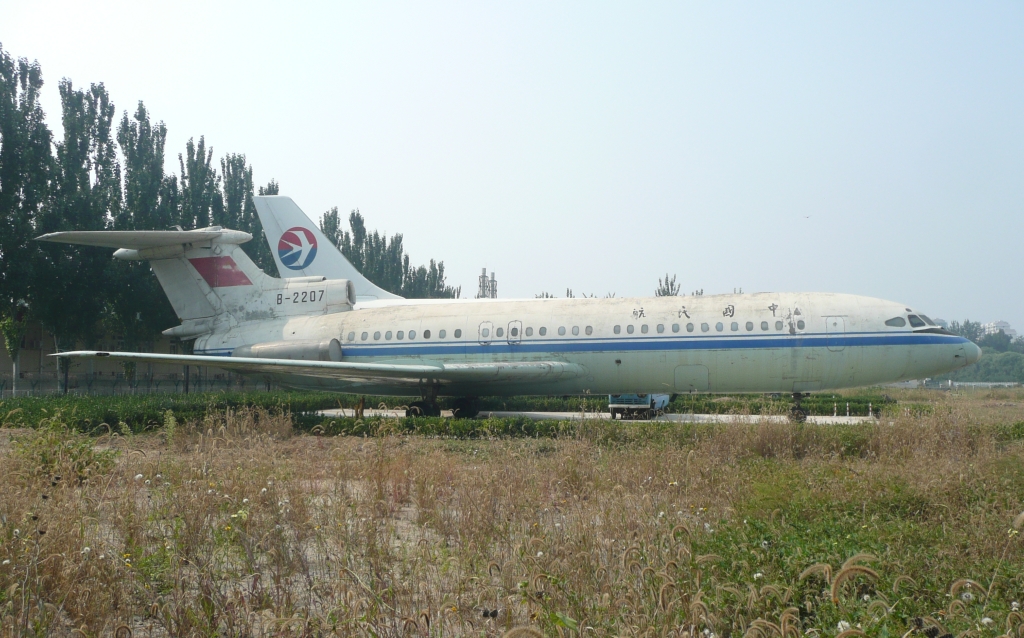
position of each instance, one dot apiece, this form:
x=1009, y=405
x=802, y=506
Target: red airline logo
x=220, y=272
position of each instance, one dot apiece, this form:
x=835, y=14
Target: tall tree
x=25, y=164
x=272, y=188
x=201, y=203
x=384, y=261
x=971, y=330
x=240, y=210
x=137, y=308
x=67, y=293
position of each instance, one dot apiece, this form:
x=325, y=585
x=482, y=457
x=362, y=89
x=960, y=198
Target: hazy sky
x=874, y=149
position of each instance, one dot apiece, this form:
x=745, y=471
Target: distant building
x=488, y=288
x=996, y=326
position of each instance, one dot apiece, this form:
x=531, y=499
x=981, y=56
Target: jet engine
x=327, y=350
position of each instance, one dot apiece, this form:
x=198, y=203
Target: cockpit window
x=915, y=321
x=896, y=322
x=927, y=320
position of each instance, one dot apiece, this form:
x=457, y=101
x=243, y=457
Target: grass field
x=239, y=524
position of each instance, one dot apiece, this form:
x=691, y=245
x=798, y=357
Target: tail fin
x=299, y=248
x=211, y=282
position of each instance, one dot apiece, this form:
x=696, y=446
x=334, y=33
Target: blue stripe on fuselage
x=641, y=344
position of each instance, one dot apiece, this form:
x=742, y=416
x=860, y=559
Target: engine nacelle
x=328, y=350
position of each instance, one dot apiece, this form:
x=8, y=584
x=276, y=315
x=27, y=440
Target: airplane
x=311, y=332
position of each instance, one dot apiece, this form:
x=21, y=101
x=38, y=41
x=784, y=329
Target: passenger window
x=351, y=336
x=896, y=322
x=689, y=327
x=590, y=330
x=514, y=332
x=387, y=335
x=617, y=329
x=575, y=331
x=543, y=331
x=629, y=329
x=915, y=321
x=376, y=336
x=561, y=331
x=364, y=336
x=704, y=327
x=426, y=334
x=441, y=334
x=412, y=334
x=764, y=325
x=800, y=325
x=484, y=331
x=750, y=326
x=719, y=326
x=675, y=327
x=734, y=326
x=529, y=332
x=500, y=332
x=401, y=334
x=458, y=332
x=778, y=325
x=661, y=328
x=643, y=328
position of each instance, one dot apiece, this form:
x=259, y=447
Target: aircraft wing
x=497, y=372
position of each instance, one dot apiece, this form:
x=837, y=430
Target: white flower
x=988, y=622
x=967, y=596
x=138, y=477
x=86, y=550
x=102, y=556
x=866, y=598
x=6, y=562
x=1015, y=606
x=661, y=514
x=758, y=576
x=159, y=476
x=209, y=491
x=17, y=532
x=843, y=626
x=147, y=481
x=263, y=491
x=539, y=554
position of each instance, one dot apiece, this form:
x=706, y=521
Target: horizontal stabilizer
x=500, y=372
x=141, y=239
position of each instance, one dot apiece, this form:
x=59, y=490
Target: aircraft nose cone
x=973, y=353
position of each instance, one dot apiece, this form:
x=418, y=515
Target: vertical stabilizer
x=301, y=250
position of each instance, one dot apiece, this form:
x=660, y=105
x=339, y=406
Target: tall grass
x=233, y=524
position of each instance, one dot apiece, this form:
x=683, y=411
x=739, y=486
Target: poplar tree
x=67, y=294
x=384, y=261
x=25, y=163
x=200, y=198
x=137, y=307
x=240, y=210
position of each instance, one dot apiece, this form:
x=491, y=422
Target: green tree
x=137, y=309
x=240, y=210
x=25, y=163
x=201, y=204
x=272, y=188
x=968, y=329
x=667, y=288
x=999, y=341
x=384, y=261
x=67, y=293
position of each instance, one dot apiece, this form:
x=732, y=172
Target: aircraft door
x=835, y=329
x=486, y=333
x=515, y=332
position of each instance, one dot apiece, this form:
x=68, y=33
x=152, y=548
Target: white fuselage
x=764, y=342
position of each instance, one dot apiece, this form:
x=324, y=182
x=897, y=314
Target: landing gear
x=465, y=408
x=423, y=408
x=796, y=413
x=426, y=406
